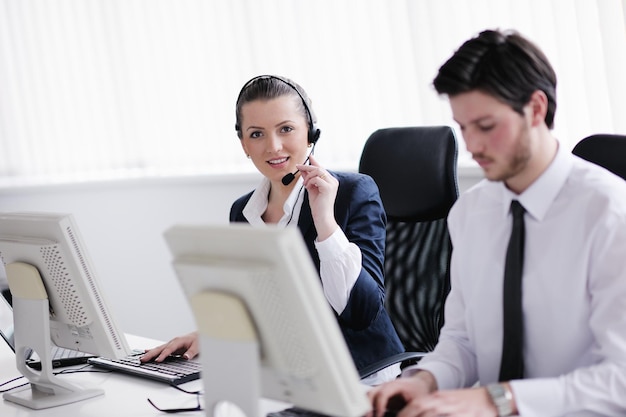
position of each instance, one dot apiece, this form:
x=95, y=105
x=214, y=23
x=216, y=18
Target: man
x=571, y=328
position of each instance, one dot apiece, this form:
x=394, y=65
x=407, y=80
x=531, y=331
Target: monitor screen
x=302, y=358
x=49, y=247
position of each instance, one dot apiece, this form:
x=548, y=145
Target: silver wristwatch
x=502, y=398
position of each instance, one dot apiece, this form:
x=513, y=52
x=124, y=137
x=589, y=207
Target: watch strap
x=502, y=398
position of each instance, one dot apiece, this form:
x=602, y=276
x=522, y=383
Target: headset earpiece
x=314, y=134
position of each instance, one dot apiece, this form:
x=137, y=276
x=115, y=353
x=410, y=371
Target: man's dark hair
x=504, y=65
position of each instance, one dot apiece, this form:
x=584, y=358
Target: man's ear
x=538, y=105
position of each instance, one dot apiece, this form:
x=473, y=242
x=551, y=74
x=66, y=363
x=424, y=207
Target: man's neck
x=542, y=156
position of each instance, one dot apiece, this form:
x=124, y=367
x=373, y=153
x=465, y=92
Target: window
x=93, y=89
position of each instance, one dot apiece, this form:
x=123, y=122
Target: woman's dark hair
x=267, y=87
x=502, y=64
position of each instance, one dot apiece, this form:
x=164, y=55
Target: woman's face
x=274, y=135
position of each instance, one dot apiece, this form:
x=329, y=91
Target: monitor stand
x=32, y=331
x=229, y=351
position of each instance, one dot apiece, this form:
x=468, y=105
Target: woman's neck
x=278, y=194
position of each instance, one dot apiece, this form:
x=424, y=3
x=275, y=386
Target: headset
x=313, y=134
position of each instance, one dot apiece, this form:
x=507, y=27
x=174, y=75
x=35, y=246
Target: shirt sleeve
x=340, y=265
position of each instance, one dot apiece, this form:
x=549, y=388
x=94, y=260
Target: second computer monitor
x=258, y=287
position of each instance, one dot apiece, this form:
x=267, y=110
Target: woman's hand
x=322, y=188
x=186, y=346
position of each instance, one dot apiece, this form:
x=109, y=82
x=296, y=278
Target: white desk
x=124, y=395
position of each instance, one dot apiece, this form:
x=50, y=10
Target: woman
x=340, y=215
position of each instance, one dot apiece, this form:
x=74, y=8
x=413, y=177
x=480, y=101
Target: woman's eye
x=485, y=128
x=286, y=129
x=255, y=134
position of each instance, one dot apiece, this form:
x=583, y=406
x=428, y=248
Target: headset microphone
x=288, y=179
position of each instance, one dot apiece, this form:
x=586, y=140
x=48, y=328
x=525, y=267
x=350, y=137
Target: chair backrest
x=606, y=150
x=415, y=170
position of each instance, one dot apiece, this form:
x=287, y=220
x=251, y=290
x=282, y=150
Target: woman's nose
x=274, y=143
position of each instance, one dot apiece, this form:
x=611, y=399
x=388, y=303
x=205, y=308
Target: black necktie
x=512, y=364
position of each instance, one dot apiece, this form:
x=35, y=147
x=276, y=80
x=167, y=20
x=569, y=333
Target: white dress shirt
x=574, y=291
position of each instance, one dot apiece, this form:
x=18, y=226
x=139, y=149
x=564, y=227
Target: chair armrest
x=383, y=363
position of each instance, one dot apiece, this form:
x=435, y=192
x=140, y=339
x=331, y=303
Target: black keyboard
x=174, y=370
x=295, y=412
x=62, y=353
x=300, y=412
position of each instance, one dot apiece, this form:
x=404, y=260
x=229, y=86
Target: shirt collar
x=540, y=195
x=257, y=205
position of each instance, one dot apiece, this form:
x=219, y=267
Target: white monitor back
x=304, y=359
x=51, y=242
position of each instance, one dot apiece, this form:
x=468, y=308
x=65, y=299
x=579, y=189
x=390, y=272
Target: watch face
x=501, y=398
x=496, y=390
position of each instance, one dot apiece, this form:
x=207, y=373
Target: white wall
x=122, y=225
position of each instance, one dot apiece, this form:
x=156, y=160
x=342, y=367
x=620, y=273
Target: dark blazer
x=366, y=327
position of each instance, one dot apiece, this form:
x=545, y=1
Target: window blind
x=93, y=89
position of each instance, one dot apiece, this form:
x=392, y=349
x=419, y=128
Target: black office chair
x=415, y=170
x=6, y=293
x=608, y=151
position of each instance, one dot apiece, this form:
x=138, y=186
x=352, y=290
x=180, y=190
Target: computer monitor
x=264, y=325
x=56, y=298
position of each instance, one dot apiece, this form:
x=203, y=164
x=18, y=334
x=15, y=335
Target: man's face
x=497, y=136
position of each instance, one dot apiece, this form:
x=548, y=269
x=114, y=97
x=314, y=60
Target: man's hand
x=470, y=402
x=396, y=395
x=417, y=396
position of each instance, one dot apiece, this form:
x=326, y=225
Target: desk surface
x=124, y=395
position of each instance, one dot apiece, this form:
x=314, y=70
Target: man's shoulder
x=594, y=181
x=483, y=192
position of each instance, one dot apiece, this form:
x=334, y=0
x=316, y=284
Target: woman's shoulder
x=354, y=186
x=243, y=199
x=352, y=178
x=238, y=205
